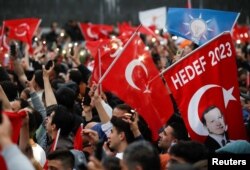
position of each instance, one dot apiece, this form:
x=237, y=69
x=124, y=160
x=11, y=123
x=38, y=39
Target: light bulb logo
x=197, y=28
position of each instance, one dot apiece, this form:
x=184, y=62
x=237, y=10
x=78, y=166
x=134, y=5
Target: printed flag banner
x=199, y=25
x=156, y=17
x=208, y=77
x=22, y=29
x=126, y=30
x=130, y=79
x=94, y=32
x=109, y=50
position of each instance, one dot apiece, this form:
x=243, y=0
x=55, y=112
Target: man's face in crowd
x=114, y=139
x=166, y=138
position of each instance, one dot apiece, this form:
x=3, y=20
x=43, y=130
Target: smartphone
x=99, y=150
x=72, y=51
x=87, y=98
x=13, y=49
x=49, y=64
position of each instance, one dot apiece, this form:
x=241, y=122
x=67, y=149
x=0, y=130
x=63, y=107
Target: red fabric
x=52, y=148
x=129, y=79
x=109, y=50
x=241, y=32
x=78, y=139
x=2, y=163
x=93, y=32
x=203, y=78
x=126, y=29
x=16, y=122
x=45, y=166
x=22, y=29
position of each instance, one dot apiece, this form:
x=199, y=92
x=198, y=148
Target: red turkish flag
x=127, y=29
x=22, y=29
x=208, y=77
x=109, y=50
x=78, y=139
x=241, y=32
x=129, y=79
x=93, y=32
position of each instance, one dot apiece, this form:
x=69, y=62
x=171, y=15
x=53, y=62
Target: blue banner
x=199, y=25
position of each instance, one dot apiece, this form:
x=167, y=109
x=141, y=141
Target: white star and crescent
x=129, y=71
x=22, y=29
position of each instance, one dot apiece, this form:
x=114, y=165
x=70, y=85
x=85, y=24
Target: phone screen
x=98, y=150
x=87, y=98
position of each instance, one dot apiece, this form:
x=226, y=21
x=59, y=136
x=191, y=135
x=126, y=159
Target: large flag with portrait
x=208, y=77
x=199, y=25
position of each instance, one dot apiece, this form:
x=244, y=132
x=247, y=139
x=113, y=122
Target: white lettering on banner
x=189, y=72
x=219, y=53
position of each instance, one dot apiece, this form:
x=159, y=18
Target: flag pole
x=235, y=21
x=56, y=140
x=100, y=69
x=163, y=71
x=114, y=61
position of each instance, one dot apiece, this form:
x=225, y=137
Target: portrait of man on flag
x=211, y=105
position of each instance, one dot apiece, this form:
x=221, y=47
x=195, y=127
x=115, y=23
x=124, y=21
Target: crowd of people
x=53, y=87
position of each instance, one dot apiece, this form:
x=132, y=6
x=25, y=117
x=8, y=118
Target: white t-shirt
x=119, y=155
x=39, y=154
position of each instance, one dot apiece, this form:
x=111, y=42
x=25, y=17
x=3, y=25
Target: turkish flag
x=134, y=79
x=93, y=32
x=241, y=32
x=22, y=29
x=52, y=147
x=78, y=139
x=16, y=122
x=109, y=50
x=127, y=29
x=208, y=77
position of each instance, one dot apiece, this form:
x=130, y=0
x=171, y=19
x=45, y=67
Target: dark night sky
x=106, y=11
